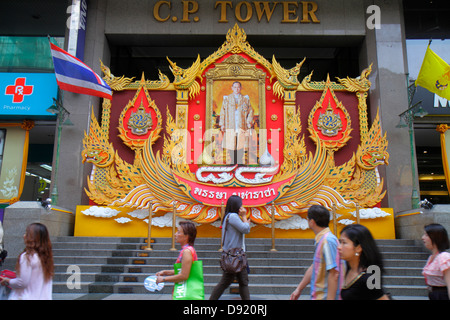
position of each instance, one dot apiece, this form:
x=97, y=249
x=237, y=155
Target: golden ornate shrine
x=162, y=147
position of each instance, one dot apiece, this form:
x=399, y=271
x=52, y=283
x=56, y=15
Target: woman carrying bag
x=233, y=235
x=34, y=267
x=188, y=270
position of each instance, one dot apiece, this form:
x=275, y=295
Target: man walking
x=324, y=274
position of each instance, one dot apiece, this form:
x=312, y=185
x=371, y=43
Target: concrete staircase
x=120, y=265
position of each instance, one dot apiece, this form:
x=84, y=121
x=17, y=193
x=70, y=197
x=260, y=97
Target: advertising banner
x=27, y=94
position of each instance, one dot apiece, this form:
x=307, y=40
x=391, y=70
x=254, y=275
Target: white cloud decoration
x=166, y=220
x=346, y=221
x=100, y=212
x=140, y=214
x=295, y=222
x=123, y=220
x=371, y=213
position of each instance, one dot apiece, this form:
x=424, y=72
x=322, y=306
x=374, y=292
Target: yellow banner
x=445, y=150
x=434, y=75
x=14, y=162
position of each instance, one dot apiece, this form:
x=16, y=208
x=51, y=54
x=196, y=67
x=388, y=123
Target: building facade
x=147, y=26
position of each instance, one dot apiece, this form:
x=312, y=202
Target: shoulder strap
x=190, y=248
x=194, y=253
x=225, y=232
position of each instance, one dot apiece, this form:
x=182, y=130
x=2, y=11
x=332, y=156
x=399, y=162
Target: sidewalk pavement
x=156, y=296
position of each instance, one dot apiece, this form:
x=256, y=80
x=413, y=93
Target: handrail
x=149, y=235
x=173, y=226
x=273, y=228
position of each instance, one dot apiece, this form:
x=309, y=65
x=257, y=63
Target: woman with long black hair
x=358, y=248
x=234, y=227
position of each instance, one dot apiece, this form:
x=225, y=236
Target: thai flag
x=74, y=76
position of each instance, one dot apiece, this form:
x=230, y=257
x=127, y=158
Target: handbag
x=8, y=274
x=233, y=260
x=193, y=287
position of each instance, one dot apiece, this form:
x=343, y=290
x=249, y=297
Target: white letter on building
x=374, y=20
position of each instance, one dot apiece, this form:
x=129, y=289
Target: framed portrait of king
x=235, y=112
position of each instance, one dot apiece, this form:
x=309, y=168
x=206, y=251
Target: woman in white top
x=34, y=267
x=2, y=255
x=437, y=269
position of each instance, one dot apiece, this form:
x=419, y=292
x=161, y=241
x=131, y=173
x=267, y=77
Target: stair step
x=119, y=265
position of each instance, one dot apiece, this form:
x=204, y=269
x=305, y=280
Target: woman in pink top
x=437, y=269
x=185, y=236
x=34, y=267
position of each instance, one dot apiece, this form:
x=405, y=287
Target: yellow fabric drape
x=26, y=125
x=445, y=150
